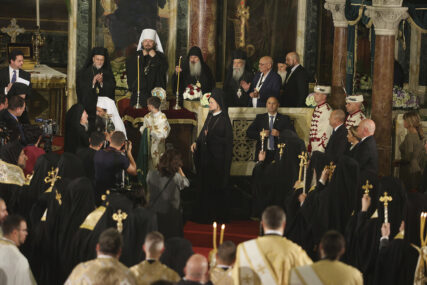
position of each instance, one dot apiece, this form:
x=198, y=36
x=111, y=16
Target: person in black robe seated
x=153, y=67
x=337, y=144
x=10, y=117
x=271, y=124
x=238, y=80
x=194, y=70
x=272, y=183
x=177, y=251
x=400, y=260
x=365, y=152
x=76, y=129
x=87, y=154
x=95, y=79
x=212, y=158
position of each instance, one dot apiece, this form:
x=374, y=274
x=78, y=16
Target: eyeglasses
x=24, y=230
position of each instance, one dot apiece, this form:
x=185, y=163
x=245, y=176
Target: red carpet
x=200, y=235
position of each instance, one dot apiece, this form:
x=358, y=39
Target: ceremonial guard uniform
x=354, y=119
x=320, y=130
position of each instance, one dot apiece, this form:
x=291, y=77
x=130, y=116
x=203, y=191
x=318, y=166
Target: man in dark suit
x=365, y=152
x=10, y=117
x=295, y=87
x=271, y=123
x=266, y=83
x=13, y=73
x=337, y=143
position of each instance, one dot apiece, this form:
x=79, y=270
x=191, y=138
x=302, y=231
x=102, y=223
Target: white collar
x=337, y=127
x=293, y=68
x=9, y=240
x=101, y=255
x=223, y=266
x=264, y=76
x=217, y=113
x=272, y=115
x=364, y=138
x=275, y=232
x=156, y=114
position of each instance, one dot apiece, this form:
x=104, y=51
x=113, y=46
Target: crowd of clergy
x=326, y=216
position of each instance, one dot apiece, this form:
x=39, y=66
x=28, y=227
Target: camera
x=49, y=128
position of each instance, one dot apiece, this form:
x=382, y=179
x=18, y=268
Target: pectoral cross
x=385, y=199
x=13, y=30
x=367, y=187
x=51, y=178
x=119, y=217
x=58, y=197
x=281, y=146
x=28, y=178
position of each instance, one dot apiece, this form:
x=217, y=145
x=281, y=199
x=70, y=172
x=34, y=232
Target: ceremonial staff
x=303, y=164
x=177, y=107
x=138, y=92
x=367, y=187
x=385, y=199
x=281, y=146
x=263, y=136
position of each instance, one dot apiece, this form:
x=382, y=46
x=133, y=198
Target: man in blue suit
x=265, y=84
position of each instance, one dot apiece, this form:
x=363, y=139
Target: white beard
x=237, y=73
x=86, y=126
x=195, y=69
x=282, y=75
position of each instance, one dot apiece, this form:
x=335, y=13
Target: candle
x=177, y=84
x=138, y=72
x=38, y=12
x=214, y=235
x=221, y=237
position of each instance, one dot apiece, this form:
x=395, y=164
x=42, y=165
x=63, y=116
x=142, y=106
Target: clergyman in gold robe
x=225, y=257
x=107, y=263
x=151, y=269
x=268, y=259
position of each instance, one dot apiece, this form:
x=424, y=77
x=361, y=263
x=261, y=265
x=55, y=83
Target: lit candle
x=214, y=235
x=221, y=237
x=38, y=12
x=138, y=72
x=177, y=84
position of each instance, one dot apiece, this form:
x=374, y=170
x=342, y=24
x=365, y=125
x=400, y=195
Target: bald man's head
x=292, y=59
x=265, y=64
x=366, y=128
x=337, y=118
x=196, y=268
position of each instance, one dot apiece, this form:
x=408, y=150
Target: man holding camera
x=112, y=163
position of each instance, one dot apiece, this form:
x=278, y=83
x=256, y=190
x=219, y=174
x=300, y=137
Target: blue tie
x=13, y=77
x=270, y=137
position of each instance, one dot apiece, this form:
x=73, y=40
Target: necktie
x=13, y=77
x=270, y=137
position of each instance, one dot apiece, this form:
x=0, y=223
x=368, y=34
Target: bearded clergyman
x=238, y=81
x=150, y=64
x=195, y=71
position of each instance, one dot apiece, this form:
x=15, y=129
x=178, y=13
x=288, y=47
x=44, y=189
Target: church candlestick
x=38, y=12
x=138, y=92
x=221, y=236
x=214, y=235
x=177, y=107
x=385, y=199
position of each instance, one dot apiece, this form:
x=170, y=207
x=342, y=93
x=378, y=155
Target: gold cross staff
x=51, y=178
x=281, y=146
x=385, y=199
x=263, y=135
x=119, y=217
x=367, y=187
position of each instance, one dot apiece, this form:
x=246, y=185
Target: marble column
x=202, y=28
x=386, y=16
x=72, y=51
x=337, y=8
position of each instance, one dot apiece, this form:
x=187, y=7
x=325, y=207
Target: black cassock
x=87, y=94
x=152, y=74
x=213, y=161
x=234, y=97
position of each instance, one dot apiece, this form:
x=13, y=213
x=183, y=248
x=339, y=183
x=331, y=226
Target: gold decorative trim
x=93, y=218
x=352, y=23
x=135, y=121
x=11, y=174
x=413, y=24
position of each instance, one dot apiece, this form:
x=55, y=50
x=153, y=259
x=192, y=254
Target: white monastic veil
x=109, y=105
x=150, y=34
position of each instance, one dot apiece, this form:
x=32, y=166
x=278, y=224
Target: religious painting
x=269, y=27
x=122, y=22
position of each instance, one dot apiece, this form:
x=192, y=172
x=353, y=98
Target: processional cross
x=385, y=199
x=367, y=187
x=13, y=30
x=119, y=217
x=51, y=178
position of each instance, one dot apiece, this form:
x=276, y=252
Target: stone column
x=337, y=8
x=386, y=16
x=202, y=28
